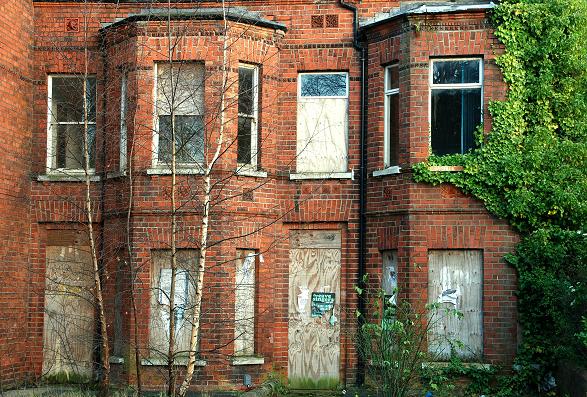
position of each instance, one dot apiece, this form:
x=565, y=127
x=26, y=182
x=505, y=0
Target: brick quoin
x=401, y=214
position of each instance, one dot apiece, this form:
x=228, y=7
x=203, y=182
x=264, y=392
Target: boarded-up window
x=69, y=305
x=455, y=282
x=322, y=122
x=389, y=283
x=244, y=304
x=185, y=281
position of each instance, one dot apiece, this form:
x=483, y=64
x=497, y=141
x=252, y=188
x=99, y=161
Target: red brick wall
x=415, y=218
x=16, y=31
x=412, y=218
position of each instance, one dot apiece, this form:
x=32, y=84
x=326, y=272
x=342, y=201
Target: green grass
x=324, y=383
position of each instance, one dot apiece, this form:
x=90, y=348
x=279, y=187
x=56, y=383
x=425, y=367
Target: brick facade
x=260, y=210
x=16, y=87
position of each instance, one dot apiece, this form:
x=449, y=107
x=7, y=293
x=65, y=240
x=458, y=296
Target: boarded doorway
x=455, y=282
x=69, y=307
x=314, y=309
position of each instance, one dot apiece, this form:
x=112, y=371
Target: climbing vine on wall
x=531, y=169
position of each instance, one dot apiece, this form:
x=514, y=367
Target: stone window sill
x=387, y=171
x=443, y=364
x=321, y=175
x=115, y=174
x=195, y=170
x=116, y=360
x=247, y=360
x=445, y=168
x=66, y=176
x=160, y=362
x=244, y=171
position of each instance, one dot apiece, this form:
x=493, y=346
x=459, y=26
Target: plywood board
x=69, y=312
x=461, y=271
x=322, y=135
x=244, y=304
x=314, y=342
x=184, y=292
x=315, y=239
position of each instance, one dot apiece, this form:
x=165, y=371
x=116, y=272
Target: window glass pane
x=392, y=77
x=245, y=90
x=244, y=140
x=189, y=139
x=70, y=145
x=67, y=104
x=455, y=115
x=91, y=99
x=455, y=71
x=67, y=99
x=324, y=84
x=393, y=129
x=182, y=91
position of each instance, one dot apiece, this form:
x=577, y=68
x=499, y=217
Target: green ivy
x=531, y=170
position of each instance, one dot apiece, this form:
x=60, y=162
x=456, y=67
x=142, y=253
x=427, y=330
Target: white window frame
x=123, y=152
x=51, y=155
x=458, y=86
x=252, y=166
x=388, y=93
x=162, y=167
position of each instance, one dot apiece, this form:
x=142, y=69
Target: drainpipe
x=362, y=51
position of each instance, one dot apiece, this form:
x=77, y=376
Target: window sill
x=74, y=176
x=115, y=174
x=321, y=175
x=388, y=171
x=184, y=170
x=243, y=171
x=161, y=362
x=444, y=364
x=247, y=360
x=116, y=360
x=446, y=168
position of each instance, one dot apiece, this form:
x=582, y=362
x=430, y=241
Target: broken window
x=244, y=303
x=391, y=140
x=456, y=103
x=123, y=129
x=322, y=125
x=180, y=92
x=183, y=303
x=72, y=119
x=389, y=284
x=248, y=98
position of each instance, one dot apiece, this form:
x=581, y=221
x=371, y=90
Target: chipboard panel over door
x=455, y=282
x=314, y=308
x=69, y=307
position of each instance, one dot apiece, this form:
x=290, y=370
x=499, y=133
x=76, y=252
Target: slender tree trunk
x=105, y=349
x=171, y=351
x=195, y=331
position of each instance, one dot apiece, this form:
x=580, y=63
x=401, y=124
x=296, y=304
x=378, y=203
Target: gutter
x=362, y=51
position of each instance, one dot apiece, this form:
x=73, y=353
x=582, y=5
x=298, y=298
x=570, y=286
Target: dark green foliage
x=531, y=169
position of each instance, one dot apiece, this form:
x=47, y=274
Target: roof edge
x=417, y=9
x=235, y=14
